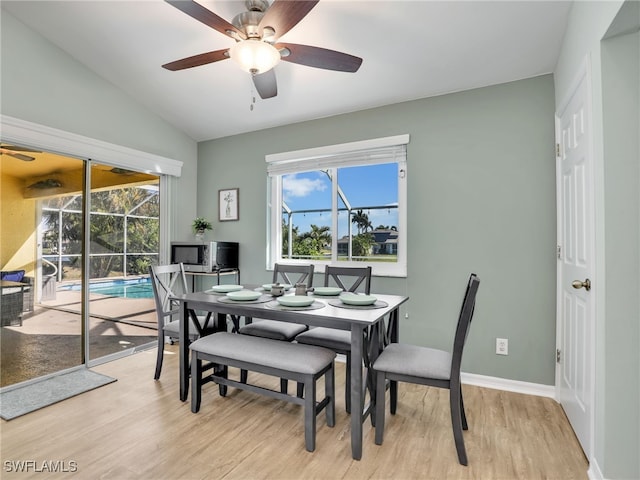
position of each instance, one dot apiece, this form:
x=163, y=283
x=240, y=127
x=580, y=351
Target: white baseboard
x=498, y=383
x=594, y=472
x=509, y=385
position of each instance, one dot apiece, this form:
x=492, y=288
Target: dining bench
x=301, y=363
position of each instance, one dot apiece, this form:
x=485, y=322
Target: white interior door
x=575, y=372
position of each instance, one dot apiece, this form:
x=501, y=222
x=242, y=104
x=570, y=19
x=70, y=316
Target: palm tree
x=361, y=219
x=320, y=237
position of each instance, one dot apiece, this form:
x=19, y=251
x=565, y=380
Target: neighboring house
x=386, y=243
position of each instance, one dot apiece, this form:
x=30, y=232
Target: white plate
x=267, y=286
x=295, y=301
x=353, y=299
x=327, y=290
x=244, y=295
x=225, y=288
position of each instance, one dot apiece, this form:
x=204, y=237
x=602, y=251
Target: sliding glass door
x=124, y=242
x=84, y=254
x=42, y=201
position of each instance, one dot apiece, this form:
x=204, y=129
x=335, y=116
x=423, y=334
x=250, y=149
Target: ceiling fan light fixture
x=255, y=56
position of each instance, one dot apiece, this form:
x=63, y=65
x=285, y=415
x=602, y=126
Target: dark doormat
x=22, y=400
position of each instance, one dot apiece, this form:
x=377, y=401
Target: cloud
x=294, y=186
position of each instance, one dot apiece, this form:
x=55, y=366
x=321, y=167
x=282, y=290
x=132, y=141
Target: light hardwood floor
x=136, y=428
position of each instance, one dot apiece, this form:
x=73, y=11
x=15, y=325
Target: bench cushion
x=326, y=337
x=273, y=329
x=292, y=357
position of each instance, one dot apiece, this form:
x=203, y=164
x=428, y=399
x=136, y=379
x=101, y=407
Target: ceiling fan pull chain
x=253, y=98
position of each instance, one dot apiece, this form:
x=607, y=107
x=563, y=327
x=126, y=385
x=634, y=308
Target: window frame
x=333, y=157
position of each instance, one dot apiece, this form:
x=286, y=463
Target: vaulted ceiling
x=410, y=50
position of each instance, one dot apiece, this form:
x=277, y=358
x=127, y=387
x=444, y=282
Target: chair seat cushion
x=172, y=329
x=332, y=338
x=414, y=360
x=261, y=351
x=273, y=329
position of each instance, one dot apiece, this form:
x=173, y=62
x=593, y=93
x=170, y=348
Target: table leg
x=395, y=338
x=357, y=391
x=183, y=351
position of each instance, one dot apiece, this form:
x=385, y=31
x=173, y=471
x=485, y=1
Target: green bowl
x=295, y=301
x=353, y=299
x=244, y=295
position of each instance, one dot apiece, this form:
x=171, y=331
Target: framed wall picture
x=228, y=205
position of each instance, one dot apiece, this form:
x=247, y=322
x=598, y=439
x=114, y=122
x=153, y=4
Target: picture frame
x=228, y=204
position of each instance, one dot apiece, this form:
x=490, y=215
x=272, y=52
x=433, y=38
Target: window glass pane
x=306, y=215
x=372, y=193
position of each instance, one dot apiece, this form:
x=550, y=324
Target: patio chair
x=339, y=340
x=280, y=330
x=428, y=366
x=169, y=280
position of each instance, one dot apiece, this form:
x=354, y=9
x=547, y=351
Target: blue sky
x=372, y=185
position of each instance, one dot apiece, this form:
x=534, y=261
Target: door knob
x=577, y=284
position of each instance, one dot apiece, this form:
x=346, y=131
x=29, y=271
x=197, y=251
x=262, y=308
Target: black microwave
x=205, y=256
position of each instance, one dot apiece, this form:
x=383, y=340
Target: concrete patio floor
x=50, y=340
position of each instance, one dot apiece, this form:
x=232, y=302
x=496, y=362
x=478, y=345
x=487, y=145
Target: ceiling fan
x=12, y=151
x=256, y=50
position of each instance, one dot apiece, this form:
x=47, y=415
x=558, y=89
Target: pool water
x=138, y=288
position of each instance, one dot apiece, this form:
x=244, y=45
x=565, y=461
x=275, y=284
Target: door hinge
x=557, y=150
x=559, y=251
x=558, y=355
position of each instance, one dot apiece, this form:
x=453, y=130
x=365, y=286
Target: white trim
x=594, y=472
x=507, y=385
x=298, y=155
x=34, y=135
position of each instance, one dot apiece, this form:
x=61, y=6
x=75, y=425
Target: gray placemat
x=261, y=299
x=377, y=304
x=276, y=306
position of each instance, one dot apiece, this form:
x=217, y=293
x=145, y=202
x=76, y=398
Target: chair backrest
x=356, y=276
x=303, y=274
x=167, y=280
x=464, y=322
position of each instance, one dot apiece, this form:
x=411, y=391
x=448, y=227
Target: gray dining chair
x=167, y=281
x=284, y=331
x=400, y=362
x=350, y=279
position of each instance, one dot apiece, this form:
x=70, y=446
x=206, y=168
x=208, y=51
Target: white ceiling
x=410, y=50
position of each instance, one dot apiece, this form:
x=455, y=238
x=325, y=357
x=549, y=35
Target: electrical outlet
x=502, y=346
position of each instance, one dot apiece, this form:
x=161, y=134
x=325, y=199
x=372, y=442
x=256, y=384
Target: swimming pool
x=136, y=288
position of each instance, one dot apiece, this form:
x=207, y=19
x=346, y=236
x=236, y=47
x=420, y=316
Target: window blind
x=368, y=152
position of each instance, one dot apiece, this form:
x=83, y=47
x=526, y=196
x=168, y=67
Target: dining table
x=371, y=326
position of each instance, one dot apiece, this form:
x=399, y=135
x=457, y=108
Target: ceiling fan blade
x=266, y=84
x=197, y=60
x=319, y=57
x=19, y=149
x=207, y=17
x=11, y=151
x=19, y=156
x=283, y=15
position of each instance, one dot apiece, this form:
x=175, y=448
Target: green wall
x=481, y=192
x=44, y=85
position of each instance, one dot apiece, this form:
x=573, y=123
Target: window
x=342, y=204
